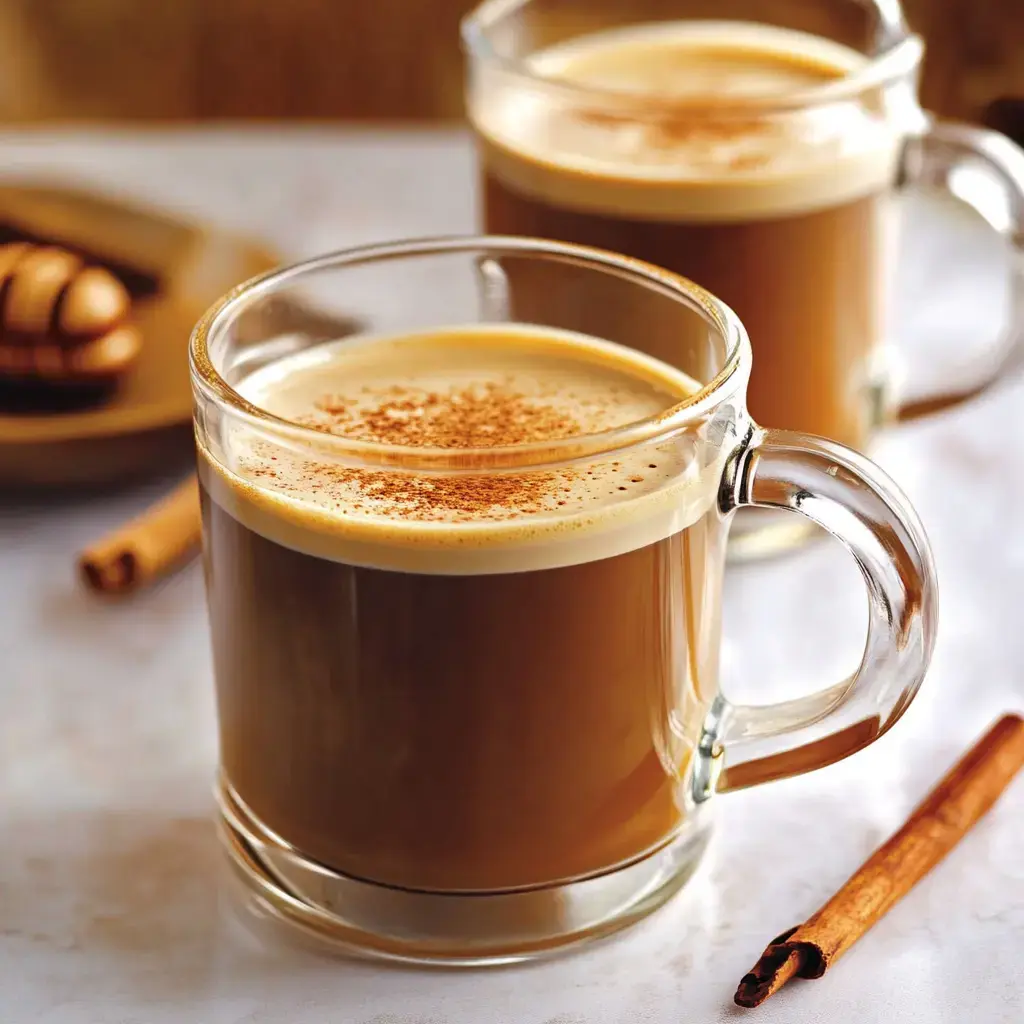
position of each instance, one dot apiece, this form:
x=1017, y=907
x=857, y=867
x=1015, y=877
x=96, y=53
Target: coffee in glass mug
x=755, y=148
x=464, y=577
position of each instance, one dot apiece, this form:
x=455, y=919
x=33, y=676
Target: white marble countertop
x=110, y=908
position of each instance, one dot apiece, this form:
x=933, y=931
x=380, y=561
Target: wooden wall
x=175, y=60
x=196, y=60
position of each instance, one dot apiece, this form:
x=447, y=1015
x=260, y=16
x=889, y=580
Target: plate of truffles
x=97, y=300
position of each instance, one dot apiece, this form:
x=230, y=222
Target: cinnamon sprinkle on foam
x=460, y=394
x=479, y=415
x=484, y=415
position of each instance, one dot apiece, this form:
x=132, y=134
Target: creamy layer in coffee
x=727, y=152
x=701, y=149
x=445, y=682
x=464, y=389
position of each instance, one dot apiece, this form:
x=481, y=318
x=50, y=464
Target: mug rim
x=730, y=378
x=896, y=61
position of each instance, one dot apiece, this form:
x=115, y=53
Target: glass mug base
x=354, y=916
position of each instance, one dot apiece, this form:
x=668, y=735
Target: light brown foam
x=465, y=387
x=665, y=162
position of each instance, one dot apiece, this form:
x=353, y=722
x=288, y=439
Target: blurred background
x=187, y=61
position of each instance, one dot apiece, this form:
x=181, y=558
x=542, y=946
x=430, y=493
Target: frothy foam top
x=463, y=388
x=675, y=159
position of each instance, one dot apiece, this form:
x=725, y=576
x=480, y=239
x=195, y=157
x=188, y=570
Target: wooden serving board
x=175, y=270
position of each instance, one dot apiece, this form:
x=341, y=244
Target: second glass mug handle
x=857, y=502
x=933, y=160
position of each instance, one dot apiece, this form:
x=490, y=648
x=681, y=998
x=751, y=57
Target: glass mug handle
x=934, y=160
x=855, y=501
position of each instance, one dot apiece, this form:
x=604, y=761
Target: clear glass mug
x=778, y=200
x=499, y=730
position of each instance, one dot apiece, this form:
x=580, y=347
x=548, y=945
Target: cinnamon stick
x=970, y=788
x=148, y=546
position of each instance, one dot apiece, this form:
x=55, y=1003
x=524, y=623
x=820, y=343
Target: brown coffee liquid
x=463, y=683
x=781, y=216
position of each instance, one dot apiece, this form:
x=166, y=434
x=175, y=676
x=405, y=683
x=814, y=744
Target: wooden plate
x=175, y=270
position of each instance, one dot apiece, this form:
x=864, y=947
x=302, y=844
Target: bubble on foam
x=445, y=524
x=658, y=164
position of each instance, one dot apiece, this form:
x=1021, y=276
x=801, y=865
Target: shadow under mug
x=437, y=747
x=780, y=203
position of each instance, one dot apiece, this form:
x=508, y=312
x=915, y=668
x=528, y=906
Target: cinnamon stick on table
x=147, y=547
x=936, y=826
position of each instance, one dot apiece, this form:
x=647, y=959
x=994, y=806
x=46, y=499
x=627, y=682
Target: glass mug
x=758, y=155
x=468, y=697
